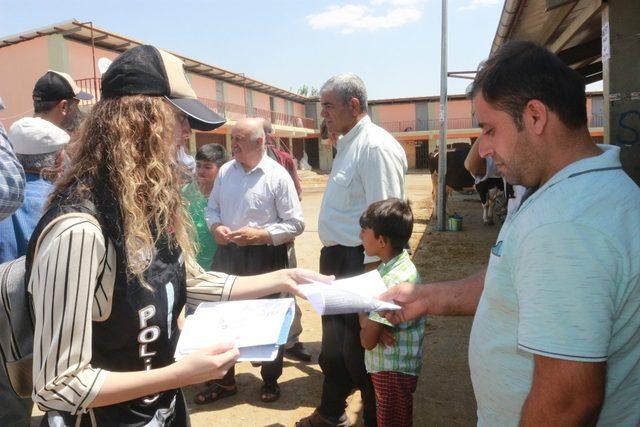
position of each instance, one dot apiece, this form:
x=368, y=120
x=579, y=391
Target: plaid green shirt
x=406, y=355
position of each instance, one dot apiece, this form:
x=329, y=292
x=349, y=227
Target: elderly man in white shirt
x=370, y=165
x=253, y=212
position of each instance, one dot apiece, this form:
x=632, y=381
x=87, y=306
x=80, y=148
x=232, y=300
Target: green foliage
x=305, y=90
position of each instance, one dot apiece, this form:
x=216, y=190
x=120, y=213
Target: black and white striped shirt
x=68, y=295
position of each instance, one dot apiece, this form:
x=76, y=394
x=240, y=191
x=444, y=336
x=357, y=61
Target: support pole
x=621, y=87
x=442, y=143
x=93, y=57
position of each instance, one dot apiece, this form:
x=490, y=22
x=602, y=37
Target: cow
x=459, y=179
x=490, y=190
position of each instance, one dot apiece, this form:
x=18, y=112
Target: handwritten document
x=352, y=295
x=257, y=327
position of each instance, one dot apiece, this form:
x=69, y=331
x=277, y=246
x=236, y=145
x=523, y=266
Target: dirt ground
x=444, y=396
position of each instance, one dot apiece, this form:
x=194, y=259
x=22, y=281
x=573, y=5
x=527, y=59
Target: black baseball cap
x=147, y=70
x=56, y=86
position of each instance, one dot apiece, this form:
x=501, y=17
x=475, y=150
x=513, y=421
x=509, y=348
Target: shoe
x=318, y=420
x=270, y=392
x=298, y=352
x=215, y=391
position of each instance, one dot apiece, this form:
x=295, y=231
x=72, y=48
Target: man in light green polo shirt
x=556, y=334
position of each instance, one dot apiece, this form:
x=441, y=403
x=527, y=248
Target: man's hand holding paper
x=351, y=295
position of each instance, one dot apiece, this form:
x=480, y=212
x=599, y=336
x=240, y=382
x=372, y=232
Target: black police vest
x=141, y=331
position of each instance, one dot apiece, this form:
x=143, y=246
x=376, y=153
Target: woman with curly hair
x=111, y=265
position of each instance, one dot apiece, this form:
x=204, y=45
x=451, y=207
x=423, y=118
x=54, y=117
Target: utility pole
x=93, y=57
x=247, y=112
x=442, y=143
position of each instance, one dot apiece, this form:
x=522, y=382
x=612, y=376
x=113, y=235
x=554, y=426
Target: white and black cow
x=459, y=179
x=490, y=190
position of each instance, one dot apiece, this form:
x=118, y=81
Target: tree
x=305, y=90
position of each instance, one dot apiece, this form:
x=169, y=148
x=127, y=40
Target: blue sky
x=394, y=45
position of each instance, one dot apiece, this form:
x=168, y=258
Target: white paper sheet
x=257, y=327
x=352, y=295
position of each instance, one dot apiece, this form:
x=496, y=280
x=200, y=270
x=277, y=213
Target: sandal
x=215, y=391
x=270, y=392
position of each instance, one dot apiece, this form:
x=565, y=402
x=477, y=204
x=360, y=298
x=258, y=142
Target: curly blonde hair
x=125, y=147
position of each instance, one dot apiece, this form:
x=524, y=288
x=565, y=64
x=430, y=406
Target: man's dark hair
x=520, y=71
x=391, y=218
x=212, y=153
x=44, y=106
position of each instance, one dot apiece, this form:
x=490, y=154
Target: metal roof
x=436, y=98
x=81, y=31
x=569, y=28
x=452, y=97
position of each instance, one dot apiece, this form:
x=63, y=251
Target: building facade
x=85, y=52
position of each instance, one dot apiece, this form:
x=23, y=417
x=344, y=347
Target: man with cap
x=56, y=97
x=39, y=146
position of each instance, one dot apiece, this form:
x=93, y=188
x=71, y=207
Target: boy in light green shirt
x=386, y=228
x=209, y=158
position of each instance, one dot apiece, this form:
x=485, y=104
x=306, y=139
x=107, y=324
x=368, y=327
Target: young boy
x=386, y=229
x=209, y=159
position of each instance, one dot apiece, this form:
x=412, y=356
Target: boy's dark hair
x=392, y=219
x=520, y=71
x=212, y=153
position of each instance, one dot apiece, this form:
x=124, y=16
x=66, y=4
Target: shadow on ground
x=249, y=384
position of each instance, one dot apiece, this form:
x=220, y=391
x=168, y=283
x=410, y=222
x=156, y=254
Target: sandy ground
x=444, y=396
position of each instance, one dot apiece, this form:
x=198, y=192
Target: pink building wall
x=298, y=109
x=278, y=105
x=203, y=86
x=234, y=94
x=20, y=66
x=396, y=112
x=80, y=59
x=458, y=114
x=261, y=100
x=458, y=109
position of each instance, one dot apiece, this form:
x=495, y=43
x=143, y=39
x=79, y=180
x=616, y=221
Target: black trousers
x=342, y=356
x=106, y=417
x=16, y=411
x=247, y=261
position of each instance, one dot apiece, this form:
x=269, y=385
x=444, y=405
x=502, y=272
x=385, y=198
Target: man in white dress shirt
x=253, y=212
x=369, y=166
